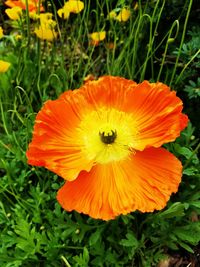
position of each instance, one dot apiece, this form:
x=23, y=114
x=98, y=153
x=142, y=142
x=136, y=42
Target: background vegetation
x=159, y=41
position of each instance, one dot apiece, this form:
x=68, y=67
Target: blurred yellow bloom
x=49, y=23
x=45, y=16
x=46, y=33
x=18, y=37
x=4, y=66
x=46, y=20
x=136, y=6
x=96, y=37
x=33, y=15
x=112, y=15
x=46, y=29
x=63, y=13
x=123, y=15
x=14, y=13
x=1, y=32
x=74, y=6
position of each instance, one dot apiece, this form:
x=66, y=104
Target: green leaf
x=94, y=237
x=176, y=209
x=189, y=233
x=190, y=171
x=86, y=256
x=83, y=259
x=186, y=247
x=196, y=204
x=172, y=245
x=130, y=241
x=184, y=151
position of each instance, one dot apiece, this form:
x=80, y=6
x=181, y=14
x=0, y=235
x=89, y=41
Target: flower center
x=108, y=137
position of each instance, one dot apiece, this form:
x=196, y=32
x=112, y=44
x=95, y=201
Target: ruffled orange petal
x=55, y=144
x=108, y=91
x=156, y=111
x=143, y=182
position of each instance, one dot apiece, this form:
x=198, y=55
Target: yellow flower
x=4, y=66
x=46, y=33
x=46, y=29
x=74, y=6
x=112, y=15
x=48, y=23
x=33, y=15
x=136, y=6
x=1, y=32
x=46, y=20
x=63, y=13
x=96, y=37
x=18, y=37
x=45, y=16
x=123, y=15
x=14, y=13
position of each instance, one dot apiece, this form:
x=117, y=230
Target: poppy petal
x=155, y=110
x=55, y=144
x=143, y=182
x=108, y=91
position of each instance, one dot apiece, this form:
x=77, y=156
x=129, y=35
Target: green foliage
x=34, y=229
x=193, y=89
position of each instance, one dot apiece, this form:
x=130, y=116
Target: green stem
x=39, y=66
x=65, y=261
x=28, y=23
x=151, y=39
x=3, y=119
x=175, y=23
x=192, y=58
x=149, y=46
x=192, y=155
x=182, y=40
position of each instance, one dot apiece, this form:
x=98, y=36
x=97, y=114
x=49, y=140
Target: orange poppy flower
x=32, y=4
x=105, y=139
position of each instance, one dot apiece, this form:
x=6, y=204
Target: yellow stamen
x=107, y=135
